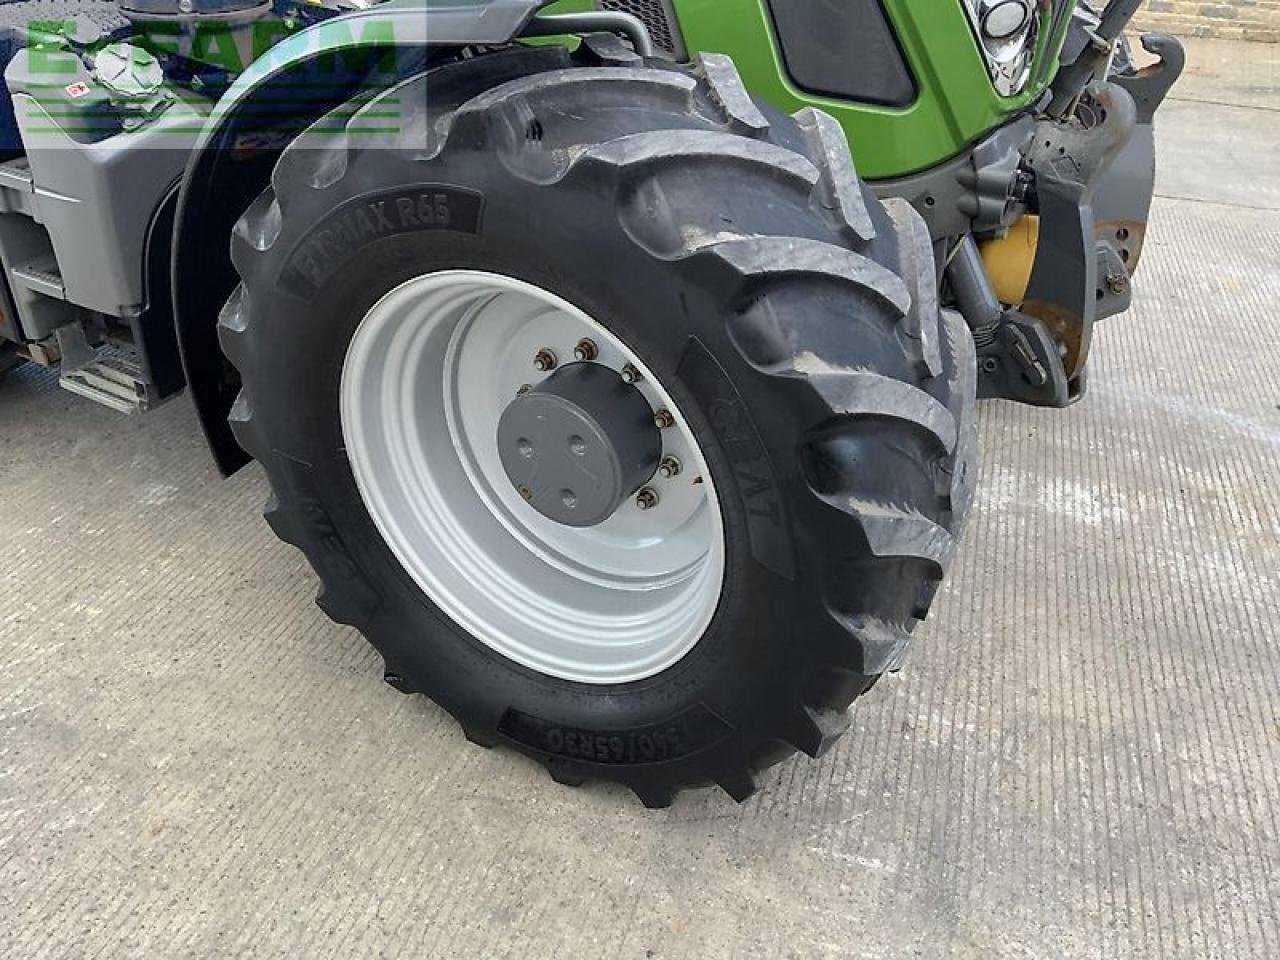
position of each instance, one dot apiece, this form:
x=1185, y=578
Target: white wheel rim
x=427, y=375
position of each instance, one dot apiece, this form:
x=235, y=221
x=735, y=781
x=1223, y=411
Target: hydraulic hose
x=972, y=288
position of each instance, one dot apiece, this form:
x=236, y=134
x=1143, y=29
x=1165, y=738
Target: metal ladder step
x=16, y=174
x=113, y=381
x=17, y=191
x=41, y=274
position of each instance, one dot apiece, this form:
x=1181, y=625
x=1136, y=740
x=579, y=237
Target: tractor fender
x=295, y=83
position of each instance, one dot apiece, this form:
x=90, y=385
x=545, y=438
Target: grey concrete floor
x=1081, y=758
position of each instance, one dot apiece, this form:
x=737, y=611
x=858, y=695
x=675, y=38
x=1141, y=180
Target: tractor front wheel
x=611, y=407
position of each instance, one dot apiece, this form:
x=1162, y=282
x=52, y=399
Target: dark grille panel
x=658, y=18
x=847, y=50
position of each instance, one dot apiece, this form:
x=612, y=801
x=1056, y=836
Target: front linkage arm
x=1094, y=57
x=1091, y=172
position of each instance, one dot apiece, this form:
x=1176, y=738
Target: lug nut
x=630, y=374
x=586, y=350
x=646, y=499
x=544, y=360
x=669, y=467
x=663, y=419
x=525, y=492
x=523, y=389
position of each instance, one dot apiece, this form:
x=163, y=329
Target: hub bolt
x=525, y=492
x=669, y=467
x=544, y=360
x=523, y=389
x=646, y=499
x=630, y=374
x=586, y=350
x=663, y=419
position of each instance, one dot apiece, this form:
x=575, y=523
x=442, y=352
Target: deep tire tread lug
x=731, y=93
x=243, y=425
x=757, y=258
x=256, y=231
x=831, y=153
x=919, y=324
x=654, y=795
x=564, y=773
x=331, y=603
x=740, y=784
x=233, y=319
x=476, y=120
x=814, y=730
x=610, y=50
x=685, y=147
x=893, y=531
x=396, y=681
x=664, y=82
x=877, y=646
x=281, y=523
x=961, y=470
x=480, y=736
x=861, y=394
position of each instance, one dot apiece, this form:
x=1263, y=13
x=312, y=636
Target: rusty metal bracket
x=1150, y=85
x=1069, y=158
x=1122, y=199
x=1090, y=66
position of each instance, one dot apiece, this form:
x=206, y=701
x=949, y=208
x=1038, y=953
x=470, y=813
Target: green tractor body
x=905, y=79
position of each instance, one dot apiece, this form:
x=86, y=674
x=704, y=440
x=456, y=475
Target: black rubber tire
x=792, y=316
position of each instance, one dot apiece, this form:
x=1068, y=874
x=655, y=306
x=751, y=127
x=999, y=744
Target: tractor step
x=113, y=381
x=16, y=189
x=15, y=174
x=41, y=275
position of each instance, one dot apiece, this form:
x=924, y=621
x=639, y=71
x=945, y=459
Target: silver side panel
x=96, y=200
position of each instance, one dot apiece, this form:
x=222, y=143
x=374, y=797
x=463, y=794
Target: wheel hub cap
x=579, y=444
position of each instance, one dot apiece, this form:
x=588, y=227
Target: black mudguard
x=310, y=74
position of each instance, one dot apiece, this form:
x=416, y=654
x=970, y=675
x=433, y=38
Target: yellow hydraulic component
x=1009, y=259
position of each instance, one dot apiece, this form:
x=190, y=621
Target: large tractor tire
x=610, y=406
